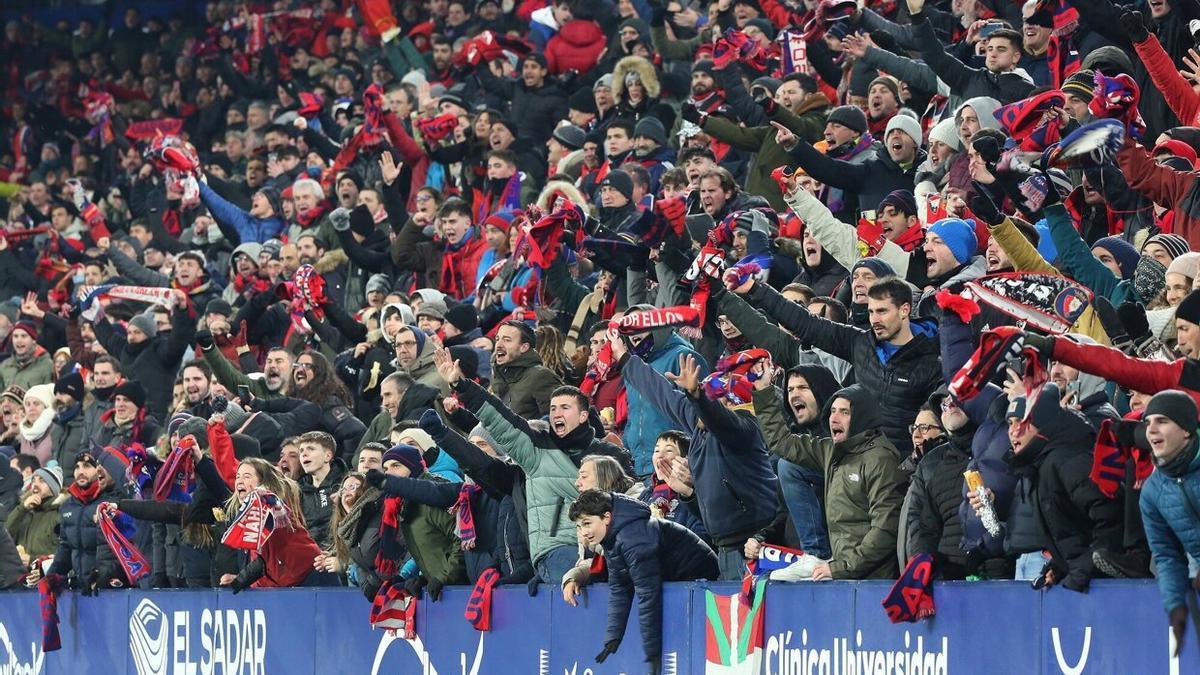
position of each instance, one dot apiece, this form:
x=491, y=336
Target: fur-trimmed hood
x=556, y=187
x=331, y=261
x=645, y=71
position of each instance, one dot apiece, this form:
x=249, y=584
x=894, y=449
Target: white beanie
x=43, y=393
x=906, y=124
x=946, y=132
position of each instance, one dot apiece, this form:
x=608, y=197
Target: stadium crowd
x=569, y=291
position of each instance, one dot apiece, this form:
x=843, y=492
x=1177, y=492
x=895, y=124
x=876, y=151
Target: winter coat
x=1072, y=514
x=11, y=567
x=535, y=111
x=154, y=362
x=645, y=421
x=1169, y=506
x=429, y=533
x=966, y=81
x=902, y=383
x=641, y=553
x=66, y=440
x=864, y=485
x=81, y=547
x=1171, y=189
x=1144, y=375
x=577, y=46
x=935, y=496
x=731, y=470
x=868, y=181
x=335, y=419
x=39, y=370
x=37, y=529
x=550, y=465
x=524, y=385
x=112, y=434
x=364, y=546
x=11, y=484
x=316, y=502
x=807, y=123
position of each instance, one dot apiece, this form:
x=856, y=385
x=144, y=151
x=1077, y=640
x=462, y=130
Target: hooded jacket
x=81, y=547
x=735, y=484
x=641, y=553
x=524, y=384
x=901, y=380
x=864, y=486
x=235, y=221
x=36, y=529
x=577, y=46
x=1076, y=519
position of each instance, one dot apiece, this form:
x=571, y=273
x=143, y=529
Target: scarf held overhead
x=89, y=296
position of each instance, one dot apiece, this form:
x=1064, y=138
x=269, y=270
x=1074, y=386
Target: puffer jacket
x=66, y=439
x=550, y=465
x=645, y=422
x=1073, y=515
x=524, y=385
x=900, y=385
x=1169, y=505
x=428, y=531
x=154, y=362
x=864, y=485
x=735, y=484
x=935, y=495
x=81, y=547
x=316, y=502
x=641, y=553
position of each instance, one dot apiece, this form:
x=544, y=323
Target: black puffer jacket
x=154, y=362
x=1071, y=512
x=641, y=553
x=935, y=494
x=535, y=111
x=316, y=502
x=869, y=181
x=902, y=384
x=81, y=547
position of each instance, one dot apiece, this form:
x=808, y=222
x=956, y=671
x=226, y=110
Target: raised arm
x=835, y=338
x=805, y=450
x=1076, y=255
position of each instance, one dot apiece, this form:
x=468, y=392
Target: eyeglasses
x=298, y=365
x=424, y=198
x=923, y=429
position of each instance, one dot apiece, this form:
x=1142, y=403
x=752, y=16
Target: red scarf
x=459, y=264
x=479, y=607
x=86, y=495
x=252, y=285
x=312, y=216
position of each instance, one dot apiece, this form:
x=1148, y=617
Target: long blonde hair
x=281, y=486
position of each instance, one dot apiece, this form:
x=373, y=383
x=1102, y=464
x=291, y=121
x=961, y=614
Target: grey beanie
x=145, y=322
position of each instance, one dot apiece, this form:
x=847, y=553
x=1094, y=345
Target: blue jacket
x=642, y=552
x=248, y=228
x=731, y=469
x=1171, y=516
x=646, y=421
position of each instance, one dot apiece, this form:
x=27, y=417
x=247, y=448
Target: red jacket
x=1145, y=375
x=459, y=266
x=288, y=555
x=1178, y=93
x=1164, y=186
x=577, y=46
x=411, y=154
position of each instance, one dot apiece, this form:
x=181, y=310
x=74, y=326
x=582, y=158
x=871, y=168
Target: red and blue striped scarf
x=117, y=529
x=911, y=597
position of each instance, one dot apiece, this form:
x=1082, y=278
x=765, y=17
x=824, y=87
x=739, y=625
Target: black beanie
x=463, y=316
x=1189, y=308
x=619, y=181
x=583, y=101
x=850, y=116
x=1175, y=406
x=132, y=391
x=71, y=384
x=362, y=222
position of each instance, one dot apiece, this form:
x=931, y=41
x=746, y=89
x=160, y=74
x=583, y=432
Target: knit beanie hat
x=906, y=124
x=583, y=101
x=571, y=136
x=1186, y=264
x=28, y=326
x=876, y=265
x=408, y=456
x=619, y=181
x=771, y=84
x=72, y=385
x=849, y=116
x=1081, y=84
x=1175, y=244
x=196, y=427
x=420, y=438
x=1149, y=279
x=959, y=237
x=1124, y=252
x=946, y=132
x=1189, y=308
x=901, y=200
x=115, y=464
x=176, y=421
x=362, y=222
x=235, y=416
x=43, y=393
x=1175, y=406
x=145, y=322
x=703, y=66
x=464, y=317
x=379, y=282
x=419, y=335
x=132, y=391
x=481, y=431
x=889, y=82
x=53, y=477
x=649, y=127
x=468, y=360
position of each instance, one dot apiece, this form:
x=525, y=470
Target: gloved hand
x=434, y=587
x=1178, y=621
x=766, y=102
x=989, y=150
x=432, y=423
x=983, y=206
x=673, y=211
x=658, y=14
x=610, y=648
x=91, y=584
x=532, y=586
x=1046, y=579
x=884, y=40
x=375, y=477
x=1135, y=27
x=1044, y=344
x=1112, y=324
x=415, y=585
x=1126, y=432
x=690, y=112
x=1133, y=317
x=340, y=219
x=204, y=338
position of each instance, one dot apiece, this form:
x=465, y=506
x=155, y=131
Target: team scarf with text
x=1111, y=458
x=117, y=529
x=48, y=589
x=176, y=479
x=479, y=606
x=464, y=523
x=770, y=557
x=911, y=597
x=256, y=521
x=89, y=295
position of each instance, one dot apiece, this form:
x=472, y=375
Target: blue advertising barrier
x=831, y=628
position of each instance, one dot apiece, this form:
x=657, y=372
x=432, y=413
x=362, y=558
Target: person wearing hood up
x=641, y=553
x=864, y=486
x=1054, y=445
x=808, y=388
x=1171, y=498
x=897, y=358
